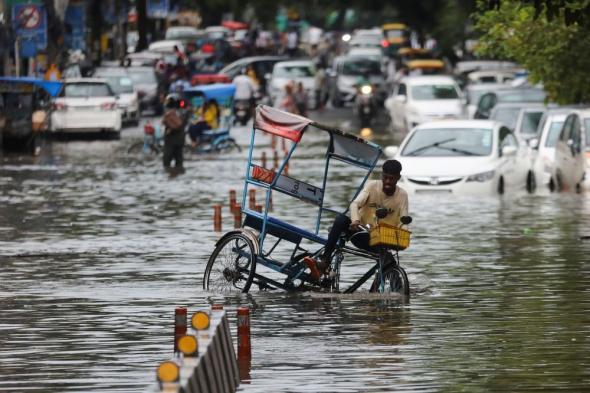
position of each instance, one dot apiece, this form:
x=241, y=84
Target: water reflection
x=98, y=248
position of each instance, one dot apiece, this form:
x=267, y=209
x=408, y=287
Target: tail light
x=59, y=106
x=108, y=106
x=384, y=43
x=182, y=103
x=148, y=129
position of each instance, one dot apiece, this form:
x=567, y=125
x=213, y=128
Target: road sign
x=29, y=22
x=157, y=8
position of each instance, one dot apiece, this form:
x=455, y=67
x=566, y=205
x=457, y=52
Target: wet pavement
x=97, y=248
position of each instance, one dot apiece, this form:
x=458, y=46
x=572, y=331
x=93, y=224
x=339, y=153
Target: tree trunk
x=142, y=21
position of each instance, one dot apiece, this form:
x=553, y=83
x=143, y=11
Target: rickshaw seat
x=281, y=229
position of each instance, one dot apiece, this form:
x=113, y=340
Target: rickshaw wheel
x=227, y=145
x=141, y=148
x=395, y=280
x=231, y=266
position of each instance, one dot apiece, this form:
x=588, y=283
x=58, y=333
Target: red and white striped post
x=179, y=325
x=244, y=348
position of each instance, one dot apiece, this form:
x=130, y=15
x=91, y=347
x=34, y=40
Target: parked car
x=298, y=71
x=570, y=153
x=149, y=89
x=346, y=74
x=508, y=113
x=543, y=146
x=474, y=92
x=122, y=85
x=262, y=66
x=520, y=94
x=419, y=99
x=490, y=76
x=461, y=157
x=85, y=105
x=185, y=34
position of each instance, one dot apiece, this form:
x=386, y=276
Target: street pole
x=17, y=56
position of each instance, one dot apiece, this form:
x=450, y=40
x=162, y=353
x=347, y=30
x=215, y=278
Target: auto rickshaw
x=395, y=36
x=426, y=67
x=26, y=109
x=408, y=54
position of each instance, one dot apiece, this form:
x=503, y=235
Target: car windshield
x=298, y=71
x=434, y=92
x=508, y=116
x=142, y=77
x=524, y=95
x=361, y=67
x=449, y=142
x=530, y=122
x=86, y=90
x=553, y=133
x=120, y=84
x=394, y=34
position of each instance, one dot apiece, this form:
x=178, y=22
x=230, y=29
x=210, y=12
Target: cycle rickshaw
x=233, y=264
x=222, y=94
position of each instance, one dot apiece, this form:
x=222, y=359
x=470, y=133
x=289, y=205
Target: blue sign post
x=29, y=22
x=76, y=20
x=157, y=8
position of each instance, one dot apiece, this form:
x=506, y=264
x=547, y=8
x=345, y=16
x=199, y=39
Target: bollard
x=179, y=325
x=286, y=169
x=258, y=208
x=244, y=348
x=252, y=199
x=270, y=200
x=273, y=141
x=283, y=145
x=232, y=198
x=217, y=218
x=275, y=158
x=237, y=216
x=216, y=307
x=264, y=159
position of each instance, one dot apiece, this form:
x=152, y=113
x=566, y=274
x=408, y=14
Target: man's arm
x=356, y=205
x=403, y=208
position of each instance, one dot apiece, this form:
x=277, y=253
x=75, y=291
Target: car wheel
x=578, y=188
x=531, y=183
x=558, y=183
x=501, y=186
x=336, y=101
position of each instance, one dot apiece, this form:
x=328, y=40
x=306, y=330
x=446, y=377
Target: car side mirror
x=509, y=151
x=391, y=151
x=382, y=212
x=406, y=220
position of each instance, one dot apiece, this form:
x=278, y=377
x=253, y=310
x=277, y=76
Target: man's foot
x=317, y=268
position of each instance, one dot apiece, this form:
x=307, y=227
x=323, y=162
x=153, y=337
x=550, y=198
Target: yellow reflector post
x=188, y=345
x=168, y=372
x=200, y=320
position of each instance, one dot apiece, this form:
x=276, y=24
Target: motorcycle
x=242, y=111
x=365, y=105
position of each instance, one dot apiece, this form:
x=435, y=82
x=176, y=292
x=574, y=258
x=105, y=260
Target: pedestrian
x=287, y=103
x=292, y=43
x=52, y=73
x=174, y=121
x=300, y=96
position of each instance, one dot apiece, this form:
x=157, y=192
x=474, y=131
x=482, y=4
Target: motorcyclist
x=245, y=89
x=174, y=120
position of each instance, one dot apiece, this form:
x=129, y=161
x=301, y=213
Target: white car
x=477, y=157
x=544, y=146
x=127, y=97
x=84, y=105
x=419, y=99
x=166, y=46
x=298, y=71
x=570, y=153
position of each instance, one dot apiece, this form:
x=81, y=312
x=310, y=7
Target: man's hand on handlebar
x=357, y=226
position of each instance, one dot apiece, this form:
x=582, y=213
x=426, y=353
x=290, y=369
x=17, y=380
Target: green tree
x=550, y=43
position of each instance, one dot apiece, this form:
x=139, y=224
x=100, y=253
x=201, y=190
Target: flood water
x=97, y=249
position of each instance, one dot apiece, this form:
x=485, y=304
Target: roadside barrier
x=205, y=360
x=217, y=218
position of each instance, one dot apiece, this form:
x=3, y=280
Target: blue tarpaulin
x=15, y=84
x=223, y=93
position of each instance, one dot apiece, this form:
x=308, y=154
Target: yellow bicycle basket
x=390, y=236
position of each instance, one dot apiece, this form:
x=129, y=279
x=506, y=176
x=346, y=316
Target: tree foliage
x=551, y=46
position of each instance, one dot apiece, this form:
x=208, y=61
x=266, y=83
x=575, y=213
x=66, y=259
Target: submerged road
x=97, y=248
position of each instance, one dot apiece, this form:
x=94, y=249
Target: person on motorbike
x=207, y=119
x=384, y=193
x=174, y=120
x=245, y=88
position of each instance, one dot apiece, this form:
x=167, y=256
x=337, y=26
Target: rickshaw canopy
x=394, y=26
x=223, y=93
x=426, y=64
x=27, y=84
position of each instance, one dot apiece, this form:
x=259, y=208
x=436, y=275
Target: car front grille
x=434, y=180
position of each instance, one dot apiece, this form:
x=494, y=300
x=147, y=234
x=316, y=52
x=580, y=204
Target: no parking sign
x=30, y=25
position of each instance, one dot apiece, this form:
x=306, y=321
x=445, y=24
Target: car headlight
x=366, y=89
x=482, y=177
